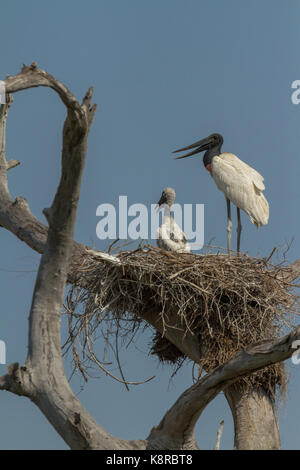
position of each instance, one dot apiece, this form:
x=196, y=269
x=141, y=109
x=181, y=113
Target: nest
x=225, y=302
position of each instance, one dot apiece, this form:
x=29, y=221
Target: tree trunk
x=255, y=422
x=42, y=378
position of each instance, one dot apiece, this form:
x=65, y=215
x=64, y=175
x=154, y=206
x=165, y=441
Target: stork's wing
x=243, y=169
x=242, y=185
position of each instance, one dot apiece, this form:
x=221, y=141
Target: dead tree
x=42, y=379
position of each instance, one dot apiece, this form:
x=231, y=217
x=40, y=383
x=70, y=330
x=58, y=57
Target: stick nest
x=225, y=302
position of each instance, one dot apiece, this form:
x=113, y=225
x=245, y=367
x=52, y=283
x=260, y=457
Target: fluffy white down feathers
x=171, y=237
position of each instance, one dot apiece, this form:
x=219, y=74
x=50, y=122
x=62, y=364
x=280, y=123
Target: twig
x=219, y=435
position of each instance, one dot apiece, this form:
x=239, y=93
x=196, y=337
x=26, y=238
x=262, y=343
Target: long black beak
x=162, y=201
x=199, y=146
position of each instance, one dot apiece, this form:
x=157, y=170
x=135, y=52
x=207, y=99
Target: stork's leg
x=229, y=225
x=239, y=229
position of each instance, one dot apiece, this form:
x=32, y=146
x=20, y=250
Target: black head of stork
x=212, y=144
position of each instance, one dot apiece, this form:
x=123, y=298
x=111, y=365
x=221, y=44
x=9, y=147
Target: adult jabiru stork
x=241, y=184
x=170, y=235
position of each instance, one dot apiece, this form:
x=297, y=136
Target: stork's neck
x=166, y=213
x=211, y=153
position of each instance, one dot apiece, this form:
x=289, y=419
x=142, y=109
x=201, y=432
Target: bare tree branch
x=219, y=435
x=176, y=430
x=43, y=378
x=17, y=381
x=12, y=164
x=4, y=193
x=31, y=76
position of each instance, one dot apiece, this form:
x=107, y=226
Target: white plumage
x=242, y=185
x=169, y=235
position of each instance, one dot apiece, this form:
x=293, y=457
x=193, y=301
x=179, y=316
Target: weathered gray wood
x=42, y=378
x=12, y=164
x=255, y=422
x=219, y=435
x=177, y=426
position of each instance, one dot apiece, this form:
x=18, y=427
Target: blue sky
x=166, y=73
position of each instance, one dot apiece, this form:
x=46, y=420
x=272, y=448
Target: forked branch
x=42, y=377
x=177, y=426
